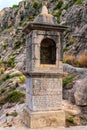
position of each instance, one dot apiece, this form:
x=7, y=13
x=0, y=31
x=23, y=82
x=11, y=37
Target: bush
x=79, y=1
x=22, y=79
x=4, y=45
x=71, y=41
x=14, y=114
x=15, y=96
x=71, y=120
x=58, y=14
x=15, y=6
x=36, y=5
x=68, y=80
x=59, y=4
x=17, y=45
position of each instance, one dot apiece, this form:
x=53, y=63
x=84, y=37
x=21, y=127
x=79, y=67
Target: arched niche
x=48, y=51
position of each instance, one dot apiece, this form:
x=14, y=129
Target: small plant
x=65, y=49
x=36, y=5
x=59, y=5
x=4, y=45
x=79, y=1
x=58, y=14
x=22, y=79
x=71, y=120
x=17, y=45
x=2, y=90
x=68, y=80
x=15, y=6
x=14, y=114
x=14, y=96
x=71, y=41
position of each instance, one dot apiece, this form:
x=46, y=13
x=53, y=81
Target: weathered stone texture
x=44, y=93
x=43, y=119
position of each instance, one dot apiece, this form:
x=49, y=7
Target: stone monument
x=44, y=52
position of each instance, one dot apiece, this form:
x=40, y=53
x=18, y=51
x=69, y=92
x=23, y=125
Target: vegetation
x=15, y=96
x=15, y=6
x=4, y=45
x=71, y=41
x=14, y=114
x=36, y=5
x=17, y=45
x=7, y=77
x=79, y=1
x=71, y=120
x=59, y=4
x=80, y=61
x=58, y=14
x=22, y=79
x=68, y=80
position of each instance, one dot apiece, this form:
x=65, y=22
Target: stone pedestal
x=44, y=119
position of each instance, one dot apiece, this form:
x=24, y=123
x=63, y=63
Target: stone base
x=44, y=119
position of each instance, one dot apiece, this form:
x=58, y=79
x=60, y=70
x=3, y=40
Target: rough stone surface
x=44, y=119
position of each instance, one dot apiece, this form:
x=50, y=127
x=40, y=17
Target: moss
x=14, y=96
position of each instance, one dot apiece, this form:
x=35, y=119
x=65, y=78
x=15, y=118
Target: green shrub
x=14, y=114
x=11, y=62
x=71, y=41
x=1, y=72
x=17, y=45
x=65, y=49
x=59, y=4
x=4, y=45
x=2, y=90
x=68, y=80
x=79, y=1
x=71, y=120
x=58, y=14
x=15, y=6
x=22, y=79
x=36, y=5
x=14, y=96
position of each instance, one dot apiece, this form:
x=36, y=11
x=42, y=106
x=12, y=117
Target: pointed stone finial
x=44, y=8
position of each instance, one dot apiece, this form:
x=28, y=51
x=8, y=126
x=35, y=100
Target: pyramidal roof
x=44, y=17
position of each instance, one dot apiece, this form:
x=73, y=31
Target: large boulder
x=77, y=93
x=80, y=93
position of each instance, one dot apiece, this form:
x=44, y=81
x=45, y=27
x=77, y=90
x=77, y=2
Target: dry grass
x=80, y=61
x=70, y=59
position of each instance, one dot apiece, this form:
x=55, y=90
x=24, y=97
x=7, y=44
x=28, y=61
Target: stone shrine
x=44, y=53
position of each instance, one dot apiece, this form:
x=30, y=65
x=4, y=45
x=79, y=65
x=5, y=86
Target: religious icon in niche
x=48, y=51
